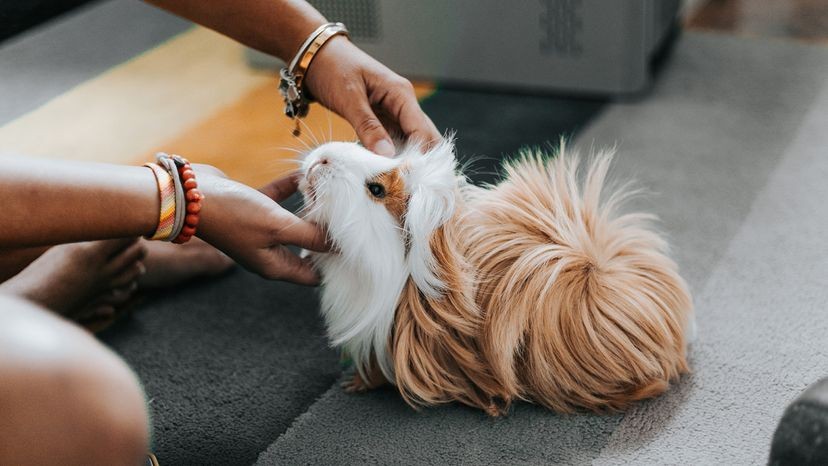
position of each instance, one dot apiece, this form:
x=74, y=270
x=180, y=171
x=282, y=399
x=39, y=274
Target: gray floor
x=731, y=141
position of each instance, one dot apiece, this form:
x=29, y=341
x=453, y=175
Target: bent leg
x=13, y=261
x=65, y=398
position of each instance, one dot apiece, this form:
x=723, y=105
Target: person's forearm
x=276, y=27
x=49, y=202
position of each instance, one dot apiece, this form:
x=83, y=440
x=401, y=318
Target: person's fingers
x=401, y=103
x=282, y=188
x=368, y=127
x=390, y=123
x=119, y=296
x=129, y=275
x=127, y=257
x=417, y=126
x=298, y=232
x=285, y=265
x=112, y=247
x=97, y=311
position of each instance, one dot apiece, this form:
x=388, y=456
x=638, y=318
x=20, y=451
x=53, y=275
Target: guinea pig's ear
x=432, y=185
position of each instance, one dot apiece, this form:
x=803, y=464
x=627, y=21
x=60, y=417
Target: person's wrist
x=297, y=36
x=211, y=186
x=336, y=52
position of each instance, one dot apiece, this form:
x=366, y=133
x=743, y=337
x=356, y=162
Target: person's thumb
x=368, y=128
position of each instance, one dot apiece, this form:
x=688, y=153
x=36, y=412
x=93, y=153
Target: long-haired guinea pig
x=534, y=289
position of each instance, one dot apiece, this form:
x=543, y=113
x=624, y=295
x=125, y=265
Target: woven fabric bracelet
x=166, y=193
x=180, y=201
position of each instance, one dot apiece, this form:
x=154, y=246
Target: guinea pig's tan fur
x=396, y=197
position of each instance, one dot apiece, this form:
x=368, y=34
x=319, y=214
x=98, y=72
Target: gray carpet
x=227, y=365
x=730, y=142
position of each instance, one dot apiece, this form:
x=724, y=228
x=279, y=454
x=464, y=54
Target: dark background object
x=802, y=435
x=17, y=16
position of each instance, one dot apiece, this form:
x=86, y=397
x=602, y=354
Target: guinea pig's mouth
x=314, y=165
x=312, y=179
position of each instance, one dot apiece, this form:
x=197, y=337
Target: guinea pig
x=535, y=289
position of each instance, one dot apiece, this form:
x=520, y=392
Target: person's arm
x=342, y=77
x=275, y=27
x=49, y=202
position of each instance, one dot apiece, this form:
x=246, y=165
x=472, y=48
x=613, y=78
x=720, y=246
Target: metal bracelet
x=297, y=100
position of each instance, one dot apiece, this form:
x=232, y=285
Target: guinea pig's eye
x=377, y=190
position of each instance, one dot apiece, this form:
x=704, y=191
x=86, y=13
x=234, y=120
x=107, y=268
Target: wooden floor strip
x=124, y=113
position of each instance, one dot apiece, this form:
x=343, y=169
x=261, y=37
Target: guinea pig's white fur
x=376, y=253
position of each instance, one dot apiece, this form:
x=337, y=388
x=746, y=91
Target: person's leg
x=65, y=398
x=13, y=261
x=89, y=281
x=80, y=280
x=169, y=264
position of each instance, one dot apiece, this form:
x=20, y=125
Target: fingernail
x=384, y=147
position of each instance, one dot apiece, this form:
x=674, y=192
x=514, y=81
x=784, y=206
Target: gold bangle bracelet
x=297, y=100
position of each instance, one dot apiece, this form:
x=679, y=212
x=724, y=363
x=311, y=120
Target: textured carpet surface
x=227, y=365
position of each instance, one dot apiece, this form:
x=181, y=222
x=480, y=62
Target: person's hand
x=250, y=227
x=370, y=96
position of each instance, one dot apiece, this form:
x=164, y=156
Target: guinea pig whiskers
x=282, y=162
x=330, y=125
x=309, y=131
x=304, y=143
x=290, y=149
x=309, y=210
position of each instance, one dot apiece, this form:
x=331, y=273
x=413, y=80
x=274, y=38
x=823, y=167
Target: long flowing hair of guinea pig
x=434, y=342
x=582, y=307
x=434, y=339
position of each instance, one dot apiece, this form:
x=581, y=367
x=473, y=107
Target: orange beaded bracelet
x=193, y=199
x=180, y=198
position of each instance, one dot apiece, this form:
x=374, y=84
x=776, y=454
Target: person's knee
x=64, y=395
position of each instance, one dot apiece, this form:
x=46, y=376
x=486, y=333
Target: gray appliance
x=581, y=46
